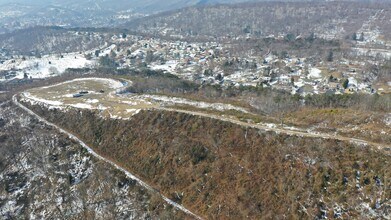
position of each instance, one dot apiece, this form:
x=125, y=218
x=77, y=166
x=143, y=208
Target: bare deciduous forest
x=257, y=110
x=236, y=172
x=329, y=20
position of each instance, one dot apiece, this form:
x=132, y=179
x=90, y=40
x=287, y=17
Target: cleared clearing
x=108, y=96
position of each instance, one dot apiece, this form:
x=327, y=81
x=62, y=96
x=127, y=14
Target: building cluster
x=212, y=63
x=206, y=63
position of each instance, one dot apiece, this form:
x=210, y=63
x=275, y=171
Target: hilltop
x=237, y=170
x=328, y=20
x=195, y=109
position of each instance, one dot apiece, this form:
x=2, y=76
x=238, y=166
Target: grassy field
x=103, y=95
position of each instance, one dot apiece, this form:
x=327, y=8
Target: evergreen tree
x=345, y=84
x=362, y=36
x=354, y=37
x=97, y=52
x=330, y=56
x=107, y=62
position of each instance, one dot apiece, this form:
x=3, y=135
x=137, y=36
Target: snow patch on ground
x=34, y=98
x=387, y=120
x=112, y=83
x=101, y=107
x=315, y=73
x=92, y=101
x=165, y=100
x=269, y=125
x=80, y=168
x=135, y=111
x=352, y=81
x=384, y=53
x=107, y=50
x=133, y=103
x=68, y=96
x=168, y=66
x=292, y=128
x=82, y=106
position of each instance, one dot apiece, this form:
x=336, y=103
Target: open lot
x=110, y=98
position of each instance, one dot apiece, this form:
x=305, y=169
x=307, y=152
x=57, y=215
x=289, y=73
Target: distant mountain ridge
x=140, y=6
x=20, y=14
x=327, y=20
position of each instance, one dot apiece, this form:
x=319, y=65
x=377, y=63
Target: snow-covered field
x=47, y=66
x=107, y=50
x=28, y=96
x=65, y=91
x=110, y=83
x=360, y=51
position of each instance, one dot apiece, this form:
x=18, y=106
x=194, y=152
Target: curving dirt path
x=4, y=103
x=278, y=130
x=93, y=153
x=114, y=99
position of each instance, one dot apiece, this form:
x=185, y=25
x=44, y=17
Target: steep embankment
x=222, y=170
x=46, y=175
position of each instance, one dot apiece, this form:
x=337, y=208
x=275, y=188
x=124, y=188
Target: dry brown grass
x=360, y=124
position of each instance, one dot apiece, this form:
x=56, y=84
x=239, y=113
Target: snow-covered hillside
x=47, y=66
x=45, y=175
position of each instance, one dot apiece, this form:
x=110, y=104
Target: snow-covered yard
x=315, y=73
x=169, y=66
